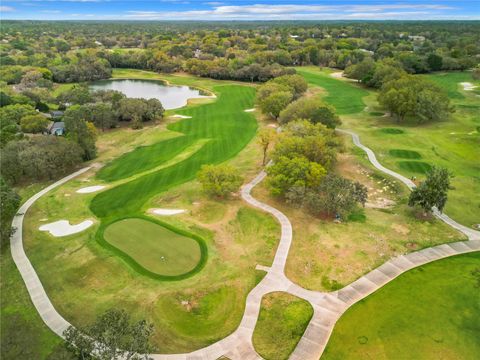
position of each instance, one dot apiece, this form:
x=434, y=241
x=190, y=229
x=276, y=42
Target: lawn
x=282, y=321
x=452, y=143
x=430, y=312
x=345, y=97
x=187, y=314
x=224, y=122
x=153, y=247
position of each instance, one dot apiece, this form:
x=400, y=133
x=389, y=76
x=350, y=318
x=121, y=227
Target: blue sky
x=240, y=10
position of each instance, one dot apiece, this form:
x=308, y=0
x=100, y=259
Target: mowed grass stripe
x=154, y=247
x=223, y=121
x=345, y=97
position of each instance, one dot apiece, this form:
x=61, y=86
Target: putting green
x=155, y=248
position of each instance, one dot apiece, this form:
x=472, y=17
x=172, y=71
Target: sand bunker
x=63, y=227
x=337, y=75
x=181, y=116
x=90, y=189
x=468, y=86
x=249, y=110
x=168, y=212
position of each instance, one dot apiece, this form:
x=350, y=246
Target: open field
x=155, y=248
x=452, y=143
x=281, y=323
x=430, y=312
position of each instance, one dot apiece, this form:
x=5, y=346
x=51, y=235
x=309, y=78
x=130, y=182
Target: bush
x=312, y=109
x=219, y=180
x=34, y=124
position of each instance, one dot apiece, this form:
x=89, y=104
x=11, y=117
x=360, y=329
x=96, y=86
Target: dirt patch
x=401, y=229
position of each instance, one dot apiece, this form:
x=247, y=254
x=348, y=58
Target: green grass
x=154, y=247
x=452, y=143
x=392, y=131
x=405, y=154
x=345, y=97
x=282, y=321
x=431, y=312
x=224, y=122
x=418, y=167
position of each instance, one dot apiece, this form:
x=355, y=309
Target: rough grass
x=345, y=97
x=392, y=131
x=154, y=247
x=325, y=255
x=282, y=321
x=405, y=154
x=223, y=122
x=418, y=167
x=431, y=312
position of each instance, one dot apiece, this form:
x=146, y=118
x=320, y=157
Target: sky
x=240, y=10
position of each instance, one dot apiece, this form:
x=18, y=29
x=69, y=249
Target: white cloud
x=297, y=12
x=6, y=9
x=51, y=11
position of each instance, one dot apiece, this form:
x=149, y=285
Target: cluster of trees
x=413, y=97
x=39, y=158
x=302, y=172
x=244, y=51
x=274, y=96
x=281, y=99
x=113, y=336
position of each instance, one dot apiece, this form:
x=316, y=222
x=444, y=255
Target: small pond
x=171, y=97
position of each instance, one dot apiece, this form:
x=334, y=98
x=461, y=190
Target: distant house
x=416, y=37
x=98, y=43
x=57, y=128
x=57, y=114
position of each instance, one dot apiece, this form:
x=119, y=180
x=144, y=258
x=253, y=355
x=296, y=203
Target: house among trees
x=56, y=128
x=57, y=114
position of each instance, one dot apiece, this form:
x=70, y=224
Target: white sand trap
x=90, y=189
x=63, y=227
x=337, y=75
x=181, y=116
x=250, y=110
x=272, y=125
x=468, y=86
x=168, y=212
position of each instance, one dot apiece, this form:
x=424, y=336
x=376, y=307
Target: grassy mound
x=392, y=131
x=405, y=154
x=431, y=312
x=418, y=167
x=344, y=96
x=224, y=122
x=155, y=248
x=282, y=321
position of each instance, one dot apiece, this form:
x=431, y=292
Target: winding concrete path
x=328, y=307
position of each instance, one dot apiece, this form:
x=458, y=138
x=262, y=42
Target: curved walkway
x=328, y=307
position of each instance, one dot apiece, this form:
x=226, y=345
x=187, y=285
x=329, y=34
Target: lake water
x=171, y=97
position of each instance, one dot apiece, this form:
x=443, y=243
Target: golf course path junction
x=328, y=307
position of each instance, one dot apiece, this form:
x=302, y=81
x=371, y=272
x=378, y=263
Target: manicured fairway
x=432, y=312
x=224, y=122
x=154, y=247
x=451, y=82
x=282, y=321
x=345, y=97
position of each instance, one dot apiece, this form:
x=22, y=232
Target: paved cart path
x=328, y=307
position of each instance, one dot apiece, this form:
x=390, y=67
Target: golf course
x=190, y=274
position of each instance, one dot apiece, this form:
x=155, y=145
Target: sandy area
x=250, y=110
x=181, y=116
x=339, y=75
x=90, y=189
x=167, y=212
x=468, y=86
x=63, y=227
